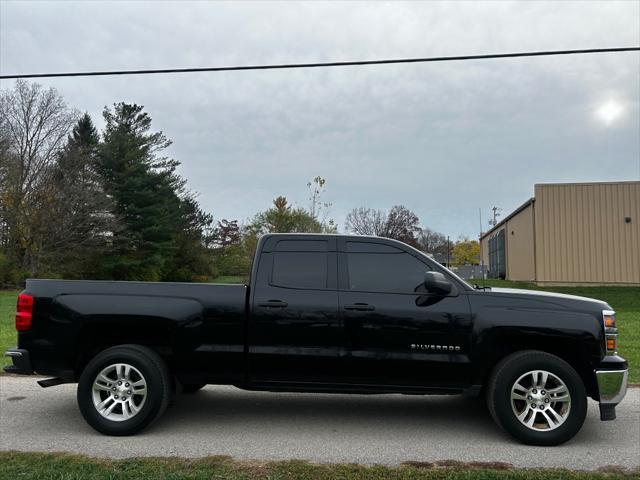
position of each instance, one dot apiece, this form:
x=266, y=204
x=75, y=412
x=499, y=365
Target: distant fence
x=470, y=271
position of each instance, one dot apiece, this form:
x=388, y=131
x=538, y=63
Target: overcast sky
x=443, y=139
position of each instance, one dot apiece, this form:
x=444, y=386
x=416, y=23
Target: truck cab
x=358, y=314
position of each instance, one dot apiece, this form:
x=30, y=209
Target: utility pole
x=480, y=242
x=496, y=213
x=448, y=251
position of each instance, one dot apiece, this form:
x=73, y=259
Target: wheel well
x=93, y=339
x=571, y=352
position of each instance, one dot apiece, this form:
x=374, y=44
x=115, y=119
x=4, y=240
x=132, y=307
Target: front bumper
x=611, y=376
x=21, y=362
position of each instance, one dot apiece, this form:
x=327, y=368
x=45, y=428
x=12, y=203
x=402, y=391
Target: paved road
x=387, y=429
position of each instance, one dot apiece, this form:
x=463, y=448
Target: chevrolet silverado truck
x=325, y=313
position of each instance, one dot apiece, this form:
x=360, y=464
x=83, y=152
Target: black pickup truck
x=325, y=313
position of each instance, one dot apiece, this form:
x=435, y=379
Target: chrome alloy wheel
x=540, y=400
x=119, y=392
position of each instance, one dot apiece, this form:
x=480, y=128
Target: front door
x=295, y=331
x=398, y=333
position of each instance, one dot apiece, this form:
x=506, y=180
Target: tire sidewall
x=153, y=402
x=502, y=399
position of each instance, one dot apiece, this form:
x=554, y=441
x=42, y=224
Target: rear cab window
x=302, y=264
x=299, y=270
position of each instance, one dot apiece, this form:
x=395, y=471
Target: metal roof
x=508, y=217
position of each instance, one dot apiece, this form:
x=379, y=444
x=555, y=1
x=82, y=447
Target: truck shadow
x=230, y=411
x=226, y=408
x=229, y=420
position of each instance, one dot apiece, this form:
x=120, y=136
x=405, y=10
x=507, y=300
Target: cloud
x=442, y=139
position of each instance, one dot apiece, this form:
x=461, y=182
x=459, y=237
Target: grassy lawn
x=625, y=300
x=7, y=323
x=65, y=466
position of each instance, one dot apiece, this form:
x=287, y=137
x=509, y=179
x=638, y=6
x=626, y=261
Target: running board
x=52, y=382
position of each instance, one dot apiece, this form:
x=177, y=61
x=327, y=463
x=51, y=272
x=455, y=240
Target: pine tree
x=284, y=218
x=163, y=227
x=144, y=188
x=75, y=198
x=190, y=258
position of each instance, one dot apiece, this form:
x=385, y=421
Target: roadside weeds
x=66, y=466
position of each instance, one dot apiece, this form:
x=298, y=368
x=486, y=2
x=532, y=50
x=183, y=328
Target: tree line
x=79, y=203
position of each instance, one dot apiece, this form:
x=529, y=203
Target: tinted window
x=300, y=269
x=385, y=272
x=302, y=246
x=370, y=247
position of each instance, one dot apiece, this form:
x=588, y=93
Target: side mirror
x=437, y=282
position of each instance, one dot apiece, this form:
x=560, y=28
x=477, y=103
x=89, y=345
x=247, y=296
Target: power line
x=321, y=64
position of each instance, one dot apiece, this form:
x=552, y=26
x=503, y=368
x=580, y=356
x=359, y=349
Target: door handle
x=361, y=307
x=274, y=304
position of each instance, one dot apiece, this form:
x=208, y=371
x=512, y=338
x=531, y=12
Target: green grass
x=624, y=300
x=38, y=466
x=7, y=323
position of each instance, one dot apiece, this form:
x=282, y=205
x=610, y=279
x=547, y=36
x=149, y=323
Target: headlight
x=609, y=318
x=610, y=331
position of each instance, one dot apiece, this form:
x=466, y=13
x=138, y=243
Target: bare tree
x=431, y=241
x=403, y=225
x=400, y=223
x=319, y=209
x=366, y=221
x=6, y=167
x=34, y=124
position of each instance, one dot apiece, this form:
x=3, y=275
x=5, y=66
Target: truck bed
x=69, y=315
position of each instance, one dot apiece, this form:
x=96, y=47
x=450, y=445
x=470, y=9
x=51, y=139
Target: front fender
x=573, y=336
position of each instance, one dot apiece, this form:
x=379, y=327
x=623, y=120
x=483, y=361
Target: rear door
x=398, y=333
x=295, y=331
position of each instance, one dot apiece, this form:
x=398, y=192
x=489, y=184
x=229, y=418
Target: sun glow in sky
x=609, y=112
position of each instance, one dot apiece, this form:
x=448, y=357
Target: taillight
x=24, y=312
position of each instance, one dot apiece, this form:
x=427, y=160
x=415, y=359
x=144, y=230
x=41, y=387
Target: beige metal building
x=569, y=233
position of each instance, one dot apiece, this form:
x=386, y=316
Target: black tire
x=504, y=376
x=158, y=382
x=190, y=388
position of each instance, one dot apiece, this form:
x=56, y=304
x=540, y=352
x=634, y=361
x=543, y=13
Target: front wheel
x=123, y=389
x=537, y=397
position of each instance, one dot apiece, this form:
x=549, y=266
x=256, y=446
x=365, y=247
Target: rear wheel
x=538, y=398
x=123, y=389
